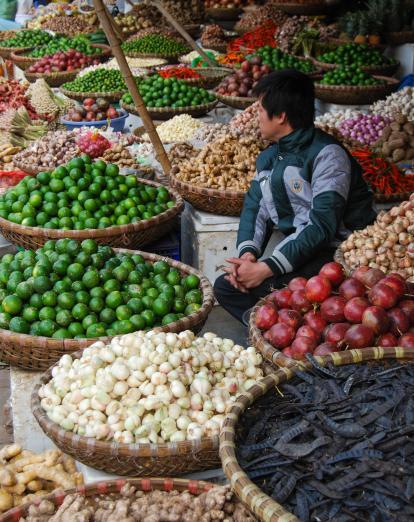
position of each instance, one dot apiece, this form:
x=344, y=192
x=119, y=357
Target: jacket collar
x=296, y=140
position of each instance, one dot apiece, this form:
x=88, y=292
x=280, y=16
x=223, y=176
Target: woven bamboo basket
x=381, y=70
x=132, y=235
x=222, y=202
x=399, y=38
x=264, y=507
x=237, y=102
x=39, y=353
x=80, y=96
x=355, y=94
x=303, y=7
x=210, y=77
x=113, y=488
x=219, y=13
x=256, y=339
x=6, y=52
x=23, y=62
x=167, y=459
x=165, y=113
x=171, y=58
x=55, y=79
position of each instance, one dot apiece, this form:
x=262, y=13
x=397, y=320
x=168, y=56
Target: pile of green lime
x=361, y=55
x=72, y=290
x=28, y=38
x=98, y=80
x=169, y=92
x=155, y=44
x=349, y=75
x=82, y=195
x=80, y=43
x=277, y=60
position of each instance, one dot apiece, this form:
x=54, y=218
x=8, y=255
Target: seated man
x=307, y=186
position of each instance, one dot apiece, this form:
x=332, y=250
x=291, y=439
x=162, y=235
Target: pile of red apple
x=63, y=61
x=92, y=110
x=329, y=313
x=242, y=82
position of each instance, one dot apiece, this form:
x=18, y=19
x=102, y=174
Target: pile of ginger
x=25, y=475
x=217, y=504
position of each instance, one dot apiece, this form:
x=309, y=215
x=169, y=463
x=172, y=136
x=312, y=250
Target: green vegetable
x=82, y=195
x=349, y=75
x=27, y=38
x=277, y=60
x=99, y=80
x=155, y=44
x=360, y=55
x=169, y=92
x=62, y=43
x=88, y=290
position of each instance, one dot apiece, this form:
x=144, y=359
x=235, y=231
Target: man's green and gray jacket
x=312, y=190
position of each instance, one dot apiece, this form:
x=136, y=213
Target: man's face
x=270, y=128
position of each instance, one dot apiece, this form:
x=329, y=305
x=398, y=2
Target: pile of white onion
x=387, y=244
x=150, y=387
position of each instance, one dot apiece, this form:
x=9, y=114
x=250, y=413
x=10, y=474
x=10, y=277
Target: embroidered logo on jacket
x=296, y=185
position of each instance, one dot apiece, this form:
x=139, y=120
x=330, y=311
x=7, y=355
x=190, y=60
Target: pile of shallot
x=329, y=313
x=150, y=387
x=364, y=128
x=387, y=244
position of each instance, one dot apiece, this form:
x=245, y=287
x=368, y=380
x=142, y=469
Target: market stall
x=121, y=129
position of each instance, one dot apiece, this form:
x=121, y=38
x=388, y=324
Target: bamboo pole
x=160, y=153
x=178, y=27
x=113, y=24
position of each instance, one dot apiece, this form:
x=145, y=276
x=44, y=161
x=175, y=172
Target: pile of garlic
x=180, y=128
x=398, y=102
x=334, y=119
x=150, y=387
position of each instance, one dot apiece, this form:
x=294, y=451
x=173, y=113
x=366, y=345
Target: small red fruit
x=306, y=331
x=266, y=316
x=396, y=284
x=282, y=297
x=334, y=272
x=354, y=309
x=281, y=335
x=332, y=309
x=376, y=318
x=351, y=288
x=335, y=333
x=407, y=305
x=290, y=317
x=317, y=289
x=315, y=321
x=383, y=295
x=299, y=302
x=359, y=336
x=387, y=340
x=325, y=349
x=400, y=323
x=406, y=341
x=297, y=283
x=302, y=346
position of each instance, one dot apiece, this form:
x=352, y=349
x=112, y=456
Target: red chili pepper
x=259, y=37
x=183, y=73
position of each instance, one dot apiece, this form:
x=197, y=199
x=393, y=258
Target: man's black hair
x=288, y=91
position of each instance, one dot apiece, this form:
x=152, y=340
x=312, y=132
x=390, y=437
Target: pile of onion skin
x=329, y=312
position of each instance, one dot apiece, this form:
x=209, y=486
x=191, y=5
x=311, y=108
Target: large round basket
x=171, y=58
x=355, y=94
x=37, y=353
x=303, y=7
x=221, y=13
x=237, y=102
x=399, y=38
x=222, y=202
x=165, y=113
x=23, y=62
x=381, y=70
x=256, y=339
x=263, y=506
x=138, y=460
x=55, y=79
x=80, y=96
x=6, y=52
x=112, y=488
x=133, y=235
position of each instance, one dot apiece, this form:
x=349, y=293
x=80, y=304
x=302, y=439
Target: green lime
x=30, y=314
x=47, y=327
x=98, y=291
x=96, y=304
x=134, y=277
x=138, y=322
x=89, y=246
x=91, y=279
x=169, y=318
x=191, y=282
x=67, y=300
x=60, y=267
x=179, y=305
x=173, y=277
x=123, y=312
x=36, y=301
x=41, y=284
x=161, y=267
x=114, y=299
x=62, y=333
x=24, y=290
x=147, y=302
x=12, y=304
x=19, y=325
x=89, y=320
x=194, y=296
x=149, y=317
x=75, y=271
x=111, y=285
x=107, y=316
x=179, y=291
x=75, y=329
x=62, y=286
x=192, y=308
x=5, y=320
x=47, y=312
x=64, y=318
x=84, y=258
x=121, y=273
x=49, y=298
x=125, y=327
x=80, y=311
x=77, y=286
x=96, y=330
x=152, y=292
x=82, y=297
x=135, y=305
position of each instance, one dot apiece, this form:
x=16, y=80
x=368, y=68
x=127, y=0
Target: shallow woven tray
x=263, y=506
x=222, y=202
x=37, y=353
x=165, y=113
x=304, y=7
x=380, y=70
x=256, y=339
x=6, y=52
x=80, y=96
x=355, y=94
x=140, y=460
x=218, y=13
x=399, y=38
x=112, y=487
x=237, y=102
x=55, y=79
x=23, y=62
x=133, y=235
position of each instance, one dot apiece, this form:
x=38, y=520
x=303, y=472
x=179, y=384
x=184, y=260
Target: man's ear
x=281, y=118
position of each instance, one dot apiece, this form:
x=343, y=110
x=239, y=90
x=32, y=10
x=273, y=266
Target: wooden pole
x=178, y=27
x=113, y=24
x=160, y=153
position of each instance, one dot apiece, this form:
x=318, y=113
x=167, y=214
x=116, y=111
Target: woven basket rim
x=179, y=110
x=242, y=101
x=76, y=344
x=52, y=75
x=70, y=94
x=366, y=68
x=159, y=450
x=103, y=232
x=247, y=492
x=204, y=191
x=196, y=487
x=359, y=88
